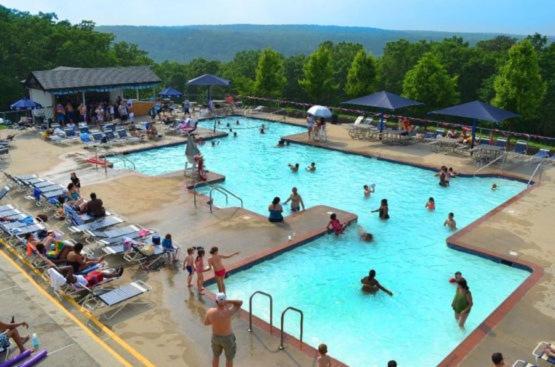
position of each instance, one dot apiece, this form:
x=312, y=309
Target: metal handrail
x=221, y=188
x=125, y=159
x=534, y=173
x=195, y=192
x=281, y=347
x=271, y=309
x=211, y=200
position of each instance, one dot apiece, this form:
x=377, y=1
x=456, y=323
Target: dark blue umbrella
x=383, y=100
x=476, y=110
x=24, y=104
x=169, y=92
x=209, y=80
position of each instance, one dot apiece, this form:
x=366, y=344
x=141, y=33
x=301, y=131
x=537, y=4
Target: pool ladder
x=290, y=308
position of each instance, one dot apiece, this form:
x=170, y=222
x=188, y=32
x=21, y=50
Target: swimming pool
x=322, y=278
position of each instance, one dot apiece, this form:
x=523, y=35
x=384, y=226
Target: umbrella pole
x=474, y=123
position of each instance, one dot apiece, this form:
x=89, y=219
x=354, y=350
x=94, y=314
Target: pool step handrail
x=536, y=170
x=124, y=159
x=281, y=346
x=502, y=156
x=271, y=309
x=223, y=191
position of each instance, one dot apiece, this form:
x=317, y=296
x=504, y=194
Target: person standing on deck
x=215, y=262
x=223, y=339
x=309, y=125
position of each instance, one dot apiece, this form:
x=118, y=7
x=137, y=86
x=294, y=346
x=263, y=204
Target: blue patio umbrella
x=383, y=100
x=170, y=92
x=475, y=111
x=209, y=81
x=25, y=104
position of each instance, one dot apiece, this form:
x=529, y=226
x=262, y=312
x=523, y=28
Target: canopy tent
x=476, y=110
x=319, y=111
x=383, y=100
x=170, y=92
x=209, y=80
x=25, y=104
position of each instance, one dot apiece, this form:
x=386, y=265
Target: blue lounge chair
x=4, y=191
x=114, y=300
x=501, y=143
x=542, y=154
x=97, y=225
x=122, y=134
x=7, y=207
x=22, y=231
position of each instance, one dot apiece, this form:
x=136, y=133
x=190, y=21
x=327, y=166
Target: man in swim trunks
x=371, y=285
x=223, y=338
x=450, y=222
x=215, y=262
x=296, y=200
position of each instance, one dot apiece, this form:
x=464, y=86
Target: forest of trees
x=511, y=74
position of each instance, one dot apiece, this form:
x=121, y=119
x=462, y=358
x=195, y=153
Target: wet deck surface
x=168, y=328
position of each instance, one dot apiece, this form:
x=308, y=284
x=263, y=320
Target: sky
x=496, y=16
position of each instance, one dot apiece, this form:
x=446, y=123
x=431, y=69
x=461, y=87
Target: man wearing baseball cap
x=223, y=338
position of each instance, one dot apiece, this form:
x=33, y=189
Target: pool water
x=416, y=326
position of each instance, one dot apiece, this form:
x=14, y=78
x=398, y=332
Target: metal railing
x=125, y=160
x=281, y=346
x=223, y=191
x=502, y=156
x=271, y=309
x=534, y=173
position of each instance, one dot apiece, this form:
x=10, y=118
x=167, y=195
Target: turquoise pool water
x=415, y=326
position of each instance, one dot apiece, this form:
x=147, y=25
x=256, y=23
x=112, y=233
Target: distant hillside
x=221, y=42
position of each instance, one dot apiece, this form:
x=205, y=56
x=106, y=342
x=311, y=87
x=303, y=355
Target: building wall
x=44, y=98
x=114, y=93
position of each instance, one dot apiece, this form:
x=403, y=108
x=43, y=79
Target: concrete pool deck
x=170, y=330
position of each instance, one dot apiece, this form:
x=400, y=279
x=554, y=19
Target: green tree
x=242, y=71
x=318, y=77
x=128, y=54
x=429, y=83
x=361, y=78
x=398, y=58
x=546, y=123
x=293, y=68
x=519, y=86
x=270, y=77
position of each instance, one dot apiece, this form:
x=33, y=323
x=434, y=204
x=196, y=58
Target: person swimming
x=383, y=210
x=294, y=167
x=311, y=167
x=371, y=285
x=368, y=190
x=494, y=187
x=237, y=122
x=450, y=222
x=296, y=200
x=262, y=129
x=431, y=204
x=443, y=176
x=235, y=134
x=363, y=235
x=281, y=143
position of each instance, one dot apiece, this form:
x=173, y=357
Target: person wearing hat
x=223, y=339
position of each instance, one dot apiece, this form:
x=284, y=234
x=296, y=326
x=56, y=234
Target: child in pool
x=323, y=359
x=364, y=236
x=368, y=190
x=383, y=210
x=335, y=225
x=188, y=264
x=450, y=222
x=494, y=187
x=311, y=167
x=431, y=204
x=294, y=167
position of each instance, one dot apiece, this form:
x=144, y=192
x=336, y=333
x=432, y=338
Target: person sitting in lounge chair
x=79, y=262
x=9, y=331
x=63, y=275
x=94, y=207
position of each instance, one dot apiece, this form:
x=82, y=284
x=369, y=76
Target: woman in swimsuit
x=462, y=302
x=371, y=285
x=215, y=261
x=275, y=210
x=383, y=210
x=200, y=269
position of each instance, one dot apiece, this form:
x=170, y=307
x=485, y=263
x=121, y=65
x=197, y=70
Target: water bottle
x=35, y=341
